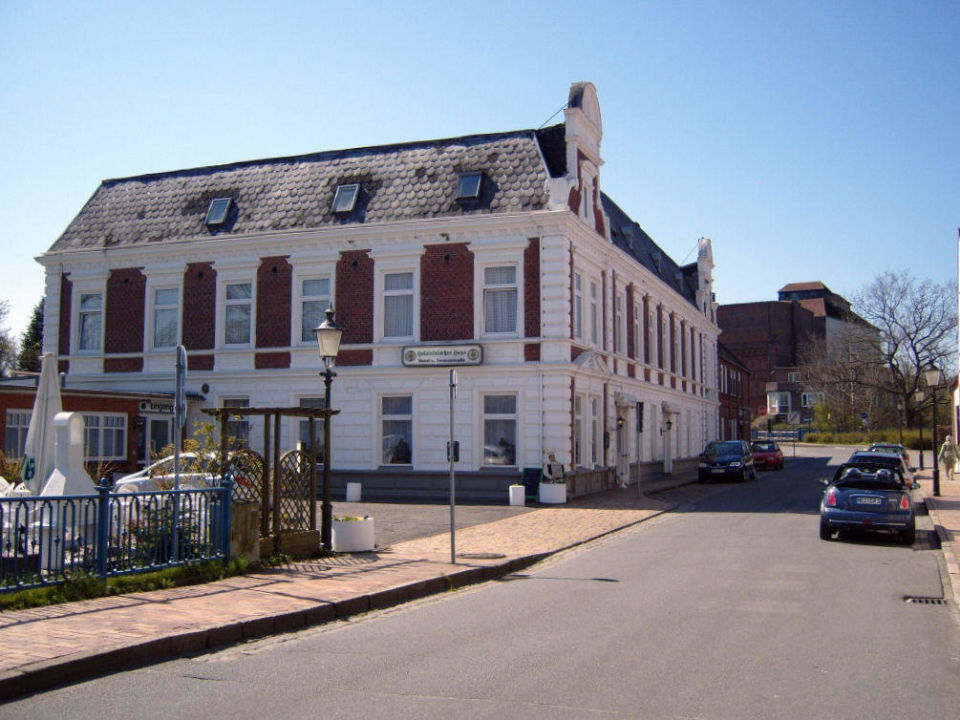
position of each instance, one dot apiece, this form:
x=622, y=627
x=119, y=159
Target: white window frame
x=81, y=314
x=594, y=312
x=596, y=442
x=774, y=405
x=395, y=417
x=811, y=399
x=243, y=424
x=392, y=263
x=513, y=417
x=21, y=426
x=638, y=339
x=500, y=288
x=100, y=428
x=302, y=299
x=226, y=303
x=578, y=402
x=152, y=290
x=402, y=293
x=652, y=336
x=302, y=426
x=578, y=306
x=620, y=324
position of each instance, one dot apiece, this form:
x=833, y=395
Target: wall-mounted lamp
x=620, y=422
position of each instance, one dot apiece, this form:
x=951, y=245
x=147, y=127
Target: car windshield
x=724, y=448
x=878, y=458
x=763, y=447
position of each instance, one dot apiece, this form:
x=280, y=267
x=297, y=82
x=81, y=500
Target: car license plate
x=717, y=470
x=869, y=501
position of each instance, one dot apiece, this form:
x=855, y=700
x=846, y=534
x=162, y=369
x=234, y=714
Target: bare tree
x=8, y=346
x=917, y=328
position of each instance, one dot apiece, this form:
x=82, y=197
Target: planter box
x=353, y=535
x=518, y=495
x=353, y=491
x=553, y=493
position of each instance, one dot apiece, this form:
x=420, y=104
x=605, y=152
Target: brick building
x=498, y=253
x=772, y=338
x=732, y=388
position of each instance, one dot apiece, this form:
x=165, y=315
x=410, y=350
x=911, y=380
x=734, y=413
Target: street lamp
x=918, y=396
x=900, y=418
x=934, y=379
x=328, y=340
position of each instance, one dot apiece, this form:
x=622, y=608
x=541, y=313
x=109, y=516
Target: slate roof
x=627, y=234
x=399, y=182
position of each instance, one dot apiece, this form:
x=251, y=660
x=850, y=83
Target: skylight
x=345, y=199
x=218, y=212
x=468, y=188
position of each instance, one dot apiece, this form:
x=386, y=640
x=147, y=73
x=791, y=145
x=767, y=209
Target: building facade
x=496, y=254
x=732, y=388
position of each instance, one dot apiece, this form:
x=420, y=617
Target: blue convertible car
x=867, y=498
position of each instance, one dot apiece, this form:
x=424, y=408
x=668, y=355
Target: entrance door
x=158, y=432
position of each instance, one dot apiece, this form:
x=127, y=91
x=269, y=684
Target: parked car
x=891, y=447
x=726, y=459
x=891, y=460
x=767, y=454
x=160, y=475
x=872, y=499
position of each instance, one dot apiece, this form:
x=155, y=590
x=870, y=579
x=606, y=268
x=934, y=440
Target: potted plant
x=553, y=483
x=352, y=533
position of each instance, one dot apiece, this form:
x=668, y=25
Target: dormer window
x=345, y=198
x=468, y=187
x=218, y=212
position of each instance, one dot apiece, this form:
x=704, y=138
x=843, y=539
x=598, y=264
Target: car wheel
x=908, y=536
x=825, y=532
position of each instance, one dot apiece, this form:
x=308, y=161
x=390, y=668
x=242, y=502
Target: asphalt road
x=730, y=607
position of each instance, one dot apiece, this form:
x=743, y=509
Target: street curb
x=89, y=664
x=946, y=548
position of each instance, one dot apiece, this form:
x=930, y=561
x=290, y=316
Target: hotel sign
x=442, y=355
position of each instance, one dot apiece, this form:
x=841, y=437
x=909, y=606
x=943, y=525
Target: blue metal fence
x=48, y=539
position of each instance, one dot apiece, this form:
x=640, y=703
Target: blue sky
x=813, y=140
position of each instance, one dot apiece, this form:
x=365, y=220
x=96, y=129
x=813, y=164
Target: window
x=398, y=305
x=238, y=426
x=396, y=414
x=594, y=314
x=345, y=198
x=218, y=212
x=314, y=300
x=578, y=430
x=778, y=403
x=18, y=421
x=652, y=337
x=317, y=403
x=90, y=321
x=594, y=430
x=238, y=310
x=793, y=377
x=468, y=186
x=105, y=437
x=619, y=329
x=637, y=332
x=500, y=299
x=577, y=306
x=166, y=303
x=812, y=399
x=499, y=429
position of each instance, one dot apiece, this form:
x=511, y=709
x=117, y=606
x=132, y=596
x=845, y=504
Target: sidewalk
x=44, y=647
x=945, y=515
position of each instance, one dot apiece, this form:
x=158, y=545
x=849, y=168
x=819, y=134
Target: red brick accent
x=199, y=307
x=531, y=288
x=446, y=293
x=274, y=286
x=646, y=374
x=531, y=352
x=355, y=357
x=631, y=370
x=200, y=362
x=575, y=352
x=271, y=360
x=123, y=317
x=574, y=200
x=354, y=306
x=66, y=297
x=63, y=366
x=122, y=365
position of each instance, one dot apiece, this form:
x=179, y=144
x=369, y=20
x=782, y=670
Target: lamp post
x=918, y=396
x=934, y=379
x=328, y=341
x=900, y=418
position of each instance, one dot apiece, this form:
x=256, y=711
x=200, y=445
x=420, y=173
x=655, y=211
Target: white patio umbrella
x=38, y=453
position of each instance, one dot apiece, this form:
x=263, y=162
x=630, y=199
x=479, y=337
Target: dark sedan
x=727, y=459
x=868, y=498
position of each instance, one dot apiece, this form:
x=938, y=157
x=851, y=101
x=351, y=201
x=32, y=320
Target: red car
x=767, y=455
